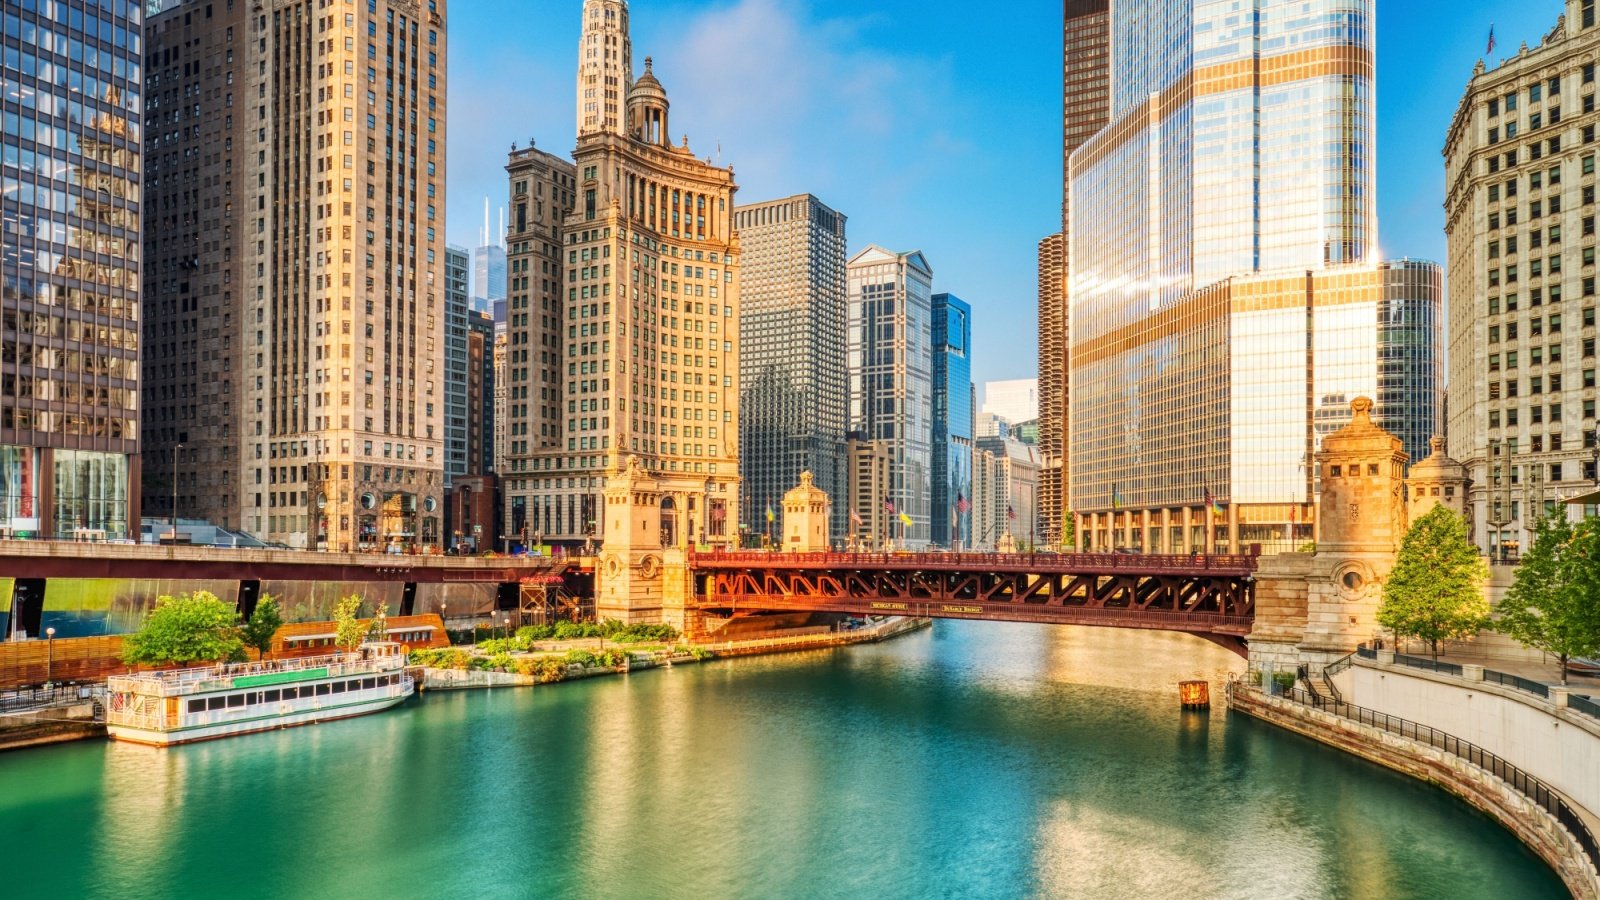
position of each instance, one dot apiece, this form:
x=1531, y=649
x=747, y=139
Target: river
x=972, y=760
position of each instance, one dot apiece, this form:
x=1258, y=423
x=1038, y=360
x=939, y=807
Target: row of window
x=276, y=695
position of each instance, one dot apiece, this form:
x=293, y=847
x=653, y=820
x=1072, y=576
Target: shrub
x=1284, y=680
x=544, y=671
x=442, y=658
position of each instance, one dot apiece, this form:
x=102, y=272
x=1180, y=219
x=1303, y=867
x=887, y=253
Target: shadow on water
x=975, y=760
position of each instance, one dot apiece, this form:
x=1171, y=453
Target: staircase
x=1317, y=683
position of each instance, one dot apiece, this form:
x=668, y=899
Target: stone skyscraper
x=70, y=215
x=542, y=188
x=1520, y=217
x=1085, y=109
x=303, y=148
x=605, y=67
x=1225, y=300
x=792, y=412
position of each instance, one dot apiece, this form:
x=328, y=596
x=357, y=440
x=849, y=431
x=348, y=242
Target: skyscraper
x=649, y=326
x=541, y=187
x=1085, y=109
x=300, y=155
x=1016, y=400
x=792, y=412
x=1520, y=162
x=456, y=262
x=949, y=517
x=889, y=345
x=70, y=212
x=480, y=393
x=1224, y=299
x=489, y=268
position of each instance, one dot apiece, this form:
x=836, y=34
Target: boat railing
x=187, y=681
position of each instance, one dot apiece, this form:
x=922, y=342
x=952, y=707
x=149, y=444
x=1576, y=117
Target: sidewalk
x=1546, y=672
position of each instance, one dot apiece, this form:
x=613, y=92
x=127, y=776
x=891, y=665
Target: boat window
x=270, y=697
x=322, y=689
x=338, y=687
x=288, y=693
x=197, y=706
x=235, y=700
x=216, y=702
x=369, y=683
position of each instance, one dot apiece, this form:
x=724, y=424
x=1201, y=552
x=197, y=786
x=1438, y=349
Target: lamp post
x=175, y=448
x=50, y=654
x=444, y=613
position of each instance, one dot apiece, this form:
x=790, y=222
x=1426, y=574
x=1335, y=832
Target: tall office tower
x=70, y=213
x=309, y=142
x=1520, y=172
x=456, y=262
x=489, y=268
x=792, y=412
x=1016, y=400
x=954, y=421
x=542, y=187
x=889, y=341
x=502, y=394
x=1005, y=487
x=605, y=68
x=480, y=393
x=649, y=324
x=1085, y=109
x=1225, y=303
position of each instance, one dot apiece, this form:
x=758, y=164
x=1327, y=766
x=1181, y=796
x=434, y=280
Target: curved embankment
x=1534, y=825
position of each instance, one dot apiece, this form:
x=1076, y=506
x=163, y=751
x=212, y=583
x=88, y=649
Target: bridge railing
x=1221, y=563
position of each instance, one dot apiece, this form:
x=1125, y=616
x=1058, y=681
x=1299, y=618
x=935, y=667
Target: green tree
x=1553, y=604
x=378, y=630
x=1436, y=589
x=263, y=625
x=186, y=629
x=349, y=631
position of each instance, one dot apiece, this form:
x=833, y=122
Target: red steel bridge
x=1209, y=596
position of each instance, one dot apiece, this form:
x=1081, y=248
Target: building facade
x=311, y=148
x=650, y=319
x=1225, y=300
x=1520, y=220
x=871, y=525
x=889, y=346
x=1085, y=109
x=1015, y=400
x=954, y=421
x=456, y=266
x=792, y=364
x=1005, y=485
x=480, y=393
x=71, y=212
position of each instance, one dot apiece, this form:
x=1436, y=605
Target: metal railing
x=1334, y=668
x=1366, y=652
x=1517, y=682
x=944, y=559
x=1527, y=785
x=1582, y=704
x=1422, y=662
x=44, y=698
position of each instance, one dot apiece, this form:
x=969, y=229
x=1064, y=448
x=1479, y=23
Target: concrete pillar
x=1144, y=525
x=1233, y=529
x=1209, y=519
x=1077, y=531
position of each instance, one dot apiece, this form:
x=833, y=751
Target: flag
x=1116, y=497
x=961, y=504
x=770, y=516
x=1294, y=513
x=888, y=506
x=855, y=518
x=1010, y=513
x=905, y=520
x=1491, y=41
x=1211, y=501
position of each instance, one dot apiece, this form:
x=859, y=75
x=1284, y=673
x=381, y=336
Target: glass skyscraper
x=70, y=184
x=950, y=519
x=456, y=265
x=1225, y=302
x=890, y=364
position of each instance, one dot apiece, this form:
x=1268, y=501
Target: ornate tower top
x=605, y=67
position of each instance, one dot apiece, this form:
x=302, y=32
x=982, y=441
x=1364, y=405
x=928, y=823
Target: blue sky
x=930, y=126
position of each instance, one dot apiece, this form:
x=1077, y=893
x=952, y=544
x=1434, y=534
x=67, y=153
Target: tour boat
x=177, y=707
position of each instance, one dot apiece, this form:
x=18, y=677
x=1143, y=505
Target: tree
x=349, y=631
x=186, y=629
x=263, y=625
x=1552, y=605
x=379, y=629
x=1435, y=592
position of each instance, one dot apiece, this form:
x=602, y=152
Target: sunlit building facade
x=1520, y=174
x=1225, y=299
x=71, y=175
x=950, y=513
x=889, y=347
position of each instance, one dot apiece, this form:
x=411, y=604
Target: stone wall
x=1535, y=827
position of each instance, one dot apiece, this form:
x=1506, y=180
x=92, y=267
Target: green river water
x=972, y=760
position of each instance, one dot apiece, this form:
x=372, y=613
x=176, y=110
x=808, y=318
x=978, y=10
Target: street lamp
x=444, y=613
x=50, y=654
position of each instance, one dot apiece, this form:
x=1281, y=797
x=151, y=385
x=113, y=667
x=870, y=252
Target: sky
x=930, y=127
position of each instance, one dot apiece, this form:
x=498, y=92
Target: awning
x=309, y=637
x=1584, y=499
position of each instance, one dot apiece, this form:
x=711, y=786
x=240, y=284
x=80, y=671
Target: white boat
x=177, y=707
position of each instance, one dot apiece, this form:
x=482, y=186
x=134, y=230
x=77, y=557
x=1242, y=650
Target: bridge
x=1209, y=596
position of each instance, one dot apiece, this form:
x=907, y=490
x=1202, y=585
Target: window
x=235, y=701
x=197, y=705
